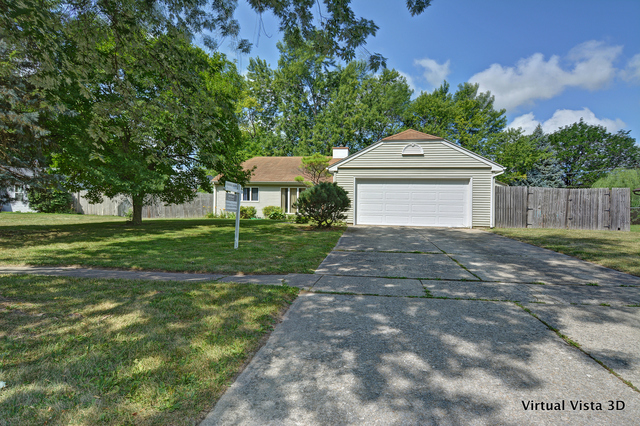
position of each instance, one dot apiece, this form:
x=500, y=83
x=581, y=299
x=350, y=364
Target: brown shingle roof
x=411, y=135
x=276, y=169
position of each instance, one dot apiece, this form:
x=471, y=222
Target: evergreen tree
x=547, y=171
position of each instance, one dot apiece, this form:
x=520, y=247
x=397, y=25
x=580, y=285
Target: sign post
x=233, y=203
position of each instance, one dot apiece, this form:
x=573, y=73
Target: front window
x=250, y=194
x=288, y=196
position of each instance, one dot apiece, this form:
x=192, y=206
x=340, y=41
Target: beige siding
x=436, y=154
x=268, y=195
x=439, y=161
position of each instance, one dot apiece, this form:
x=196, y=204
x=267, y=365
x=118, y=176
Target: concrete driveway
x=444, y=326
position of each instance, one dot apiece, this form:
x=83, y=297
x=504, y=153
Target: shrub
x=273, y=213
x=300, y=219
x=50, y=200
x=247, y=212
x=621, y=178
x=324, y=203
x=277, y=214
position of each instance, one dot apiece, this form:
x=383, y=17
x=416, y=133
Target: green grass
x=194, y=245
x=89, y=352
x=613, y=249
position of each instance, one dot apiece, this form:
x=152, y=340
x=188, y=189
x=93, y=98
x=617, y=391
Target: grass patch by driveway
x=195, y=245
x=84, y=352
x=615, y=250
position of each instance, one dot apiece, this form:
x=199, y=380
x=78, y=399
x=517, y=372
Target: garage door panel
x=423, y=196
x=397, y=208
x=422, y=209
x=450, y=209
x=413, y=203
x=446, y=194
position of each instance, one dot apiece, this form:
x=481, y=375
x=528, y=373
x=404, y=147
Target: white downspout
x=492, y=220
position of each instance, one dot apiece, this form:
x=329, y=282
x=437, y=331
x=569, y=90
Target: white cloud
x=535, y=78
x=632, y=71
x=564, y=117
x=526, y=122
x=434, y=73
x=410, y=81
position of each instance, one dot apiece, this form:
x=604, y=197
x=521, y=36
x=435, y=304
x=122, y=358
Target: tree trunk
x=137, y=209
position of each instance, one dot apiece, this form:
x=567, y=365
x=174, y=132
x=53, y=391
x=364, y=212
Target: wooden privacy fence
x=201, y=205
x=589, y=208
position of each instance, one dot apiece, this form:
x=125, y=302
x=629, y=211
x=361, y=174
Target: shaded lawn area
x=615, y=250
x=194, y=245
x=86, y=351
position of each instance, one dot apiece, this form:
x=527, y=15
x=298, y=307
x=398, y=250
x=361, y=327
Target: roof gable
x=438, y=152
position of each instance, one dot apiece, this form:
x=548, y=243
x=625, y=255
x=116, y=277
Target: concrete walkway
x=404, y=350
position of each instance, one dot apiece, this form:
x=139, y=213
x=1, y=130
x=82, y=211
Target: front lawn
x=195, y=245
x=613, y=249
x=85, y=352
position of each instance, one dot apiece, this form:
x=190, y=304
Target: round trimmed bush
x=324, y=203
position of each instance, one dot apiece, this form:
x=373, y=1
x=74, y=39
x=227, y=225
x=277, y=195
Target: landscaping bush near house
x=324, y=203
x=248, y=212
x=47, y=200
x=273, y=213
x=300, y=219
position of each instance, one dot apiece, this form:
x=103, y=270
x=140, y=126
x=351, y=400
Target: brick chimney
x=340, y=152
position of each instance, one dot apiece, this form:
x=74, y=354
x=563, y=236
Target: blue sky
x=545, y=61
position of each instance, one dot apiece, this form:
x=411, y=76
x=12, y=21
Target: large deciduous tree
x=152, y=134
x=515, y=151
x=466, y=117
x=587, y=152
x=308, y=104
x=363, y=108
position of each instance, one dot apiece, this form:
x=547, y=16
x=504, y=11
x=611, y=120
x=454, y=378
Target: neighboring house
x=272, y=182
x=21, y=204
x=19, y=194
x=416, y=179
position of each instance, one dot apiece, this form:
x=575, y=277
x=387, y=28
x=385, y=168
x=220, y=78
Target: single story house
x=411, y=178
x=272, y=182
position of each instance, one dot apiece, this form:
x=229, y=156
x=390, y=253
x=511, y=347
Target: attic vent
x=412, y=149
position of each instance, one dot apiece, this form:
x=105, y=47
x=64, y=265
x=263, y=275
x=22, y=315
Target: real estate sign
x=232, y=204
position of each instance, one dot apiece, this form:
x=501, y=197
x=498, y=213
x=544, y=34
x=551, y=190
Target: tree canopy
x=466, y=117
x=157, y=138
x=587, y=152
x=77, y=69
x=309, y=104
x=622, y=178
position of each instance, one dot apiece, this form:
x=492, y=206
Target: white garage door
x=412, y=202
